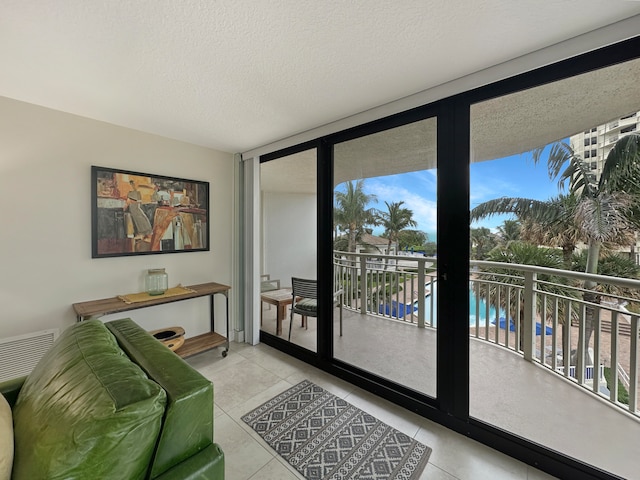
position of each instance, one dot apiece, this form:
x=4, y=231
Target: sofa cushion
x=188, y=422
x=6, y=439
x=86, y=411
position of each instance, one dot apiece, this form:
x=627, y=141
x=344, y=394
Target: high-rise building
x=594, y=145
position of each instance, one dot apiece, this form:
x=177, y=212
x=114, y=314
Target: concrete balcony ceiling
x=503, y=126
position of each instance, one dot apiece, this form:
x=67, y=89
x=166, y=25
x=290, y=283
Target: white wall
x=289, y=233
x=45, y=237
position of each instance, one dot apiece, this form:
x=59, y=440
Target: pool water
x=472, y=308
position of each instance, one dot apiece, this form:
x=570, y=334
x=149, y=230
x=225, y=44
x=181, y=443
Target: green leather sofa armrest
x=208, y=464
x=188, y=421
x=11, y=388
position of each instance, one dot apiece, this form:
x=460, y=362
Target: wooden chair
x=305, y=300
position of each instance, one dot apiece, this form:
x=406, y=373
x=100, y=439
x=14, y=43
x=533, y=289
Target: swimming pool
x=472, y=308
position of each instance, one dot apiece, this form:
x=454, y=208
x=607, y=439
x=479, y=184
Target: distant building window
x=594, y=165
x=594, y=140
x=594, y=153
x=587, y=154
x=587, y=142
x=630, y=128
x=594, y=129
x=613, y=139
x=628, y=116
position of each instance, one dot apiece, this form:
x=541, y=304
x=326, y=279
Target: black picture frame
x=135, y=213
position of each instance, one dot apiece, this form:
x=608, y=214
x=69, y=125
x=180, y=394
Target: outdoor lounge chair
x=267, y=285
x=305, y=300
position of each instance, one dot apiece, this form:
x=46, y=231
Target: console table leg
x=212, y=312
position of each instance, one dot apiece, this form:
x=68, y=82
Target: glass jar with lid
x=156, y=281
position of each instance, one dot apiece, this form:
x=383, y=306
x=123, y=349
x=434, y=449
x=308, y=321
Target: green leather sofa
x=109, y=401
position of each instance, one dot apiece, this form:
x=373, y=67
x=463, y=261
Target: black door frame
x=451, y=407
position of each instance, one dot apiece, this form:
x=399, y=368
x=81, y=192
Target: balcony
x=518, y=375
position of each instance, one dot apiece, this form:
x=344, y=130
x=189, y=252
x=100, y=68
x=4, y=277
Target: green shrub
x=633, y=307
x=623, y=394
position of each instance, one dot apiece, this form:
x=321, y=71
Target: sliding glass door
x=384, y=254
x=431, y=296
x=551, y=347
x=289, y=243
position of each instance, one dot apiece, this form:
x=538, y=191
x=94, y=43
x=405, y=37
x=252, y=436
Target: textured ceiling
x=237, y=74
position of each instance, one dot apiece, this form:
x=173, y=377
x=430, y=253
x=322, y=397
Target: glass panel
x=384, y=254
x=552, y=352
x=289, y=236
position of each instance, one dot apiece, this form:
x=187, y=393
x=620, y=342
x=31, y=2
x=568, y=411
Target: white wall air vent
x=19, y=355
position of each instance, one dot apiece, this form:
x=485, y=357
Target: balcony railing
x=545, y=315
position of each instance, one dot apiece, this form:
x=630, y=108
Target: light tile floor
x=251, y=375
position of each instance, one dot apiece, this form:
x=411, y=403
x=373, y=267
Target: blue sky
x=514, y=176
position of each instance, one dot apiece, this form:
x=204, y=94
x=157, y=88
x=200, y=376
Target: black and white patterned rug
x=324, y=437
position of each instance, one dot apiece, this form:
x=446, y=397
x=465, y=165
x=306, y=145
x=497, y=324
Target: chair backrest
x=304, y=287
x=268, y=285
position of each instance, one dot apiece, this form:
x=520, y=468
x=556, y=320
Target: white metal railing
x=542, y=314
x=588, y=372
x=393, y=286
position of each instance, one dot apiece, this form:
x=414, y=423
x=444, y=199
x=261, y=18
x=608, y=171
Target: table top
x=105, y=306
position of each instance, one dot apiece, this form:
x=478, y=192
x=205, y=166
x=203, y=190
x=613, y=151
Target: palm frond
x=621, y=171
x=523, y=208
x=579, y=177
x=605, y=218
x=559, y=154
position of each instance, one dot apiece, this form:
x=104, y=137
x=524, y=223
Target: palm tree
x=394, y=220
x=604, y=211
x=351, y=212
x=605, y=208
x=483, y=241
x=509, y=231
x=558, y=228
x=544, y=222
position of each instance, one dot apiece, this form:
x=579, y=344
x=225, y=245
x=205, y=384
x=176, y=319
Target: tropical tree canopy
x=351, y=213
x=411, y=239
x=509, y=231
x=555, y=225
x=394, y=220
x=614, y=265
x=604, y=209
x=482, y=241
x=593, y=212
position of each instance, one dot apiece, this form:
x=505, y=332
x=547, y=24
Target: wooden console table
x=193, y=345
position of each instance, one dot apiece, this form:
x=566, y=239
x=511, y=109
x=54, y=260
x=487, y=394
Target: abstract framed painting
x=135, y=213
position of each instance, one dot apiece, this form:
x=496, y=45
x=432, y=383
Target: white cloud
x=485, y=188
x=424, y=210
